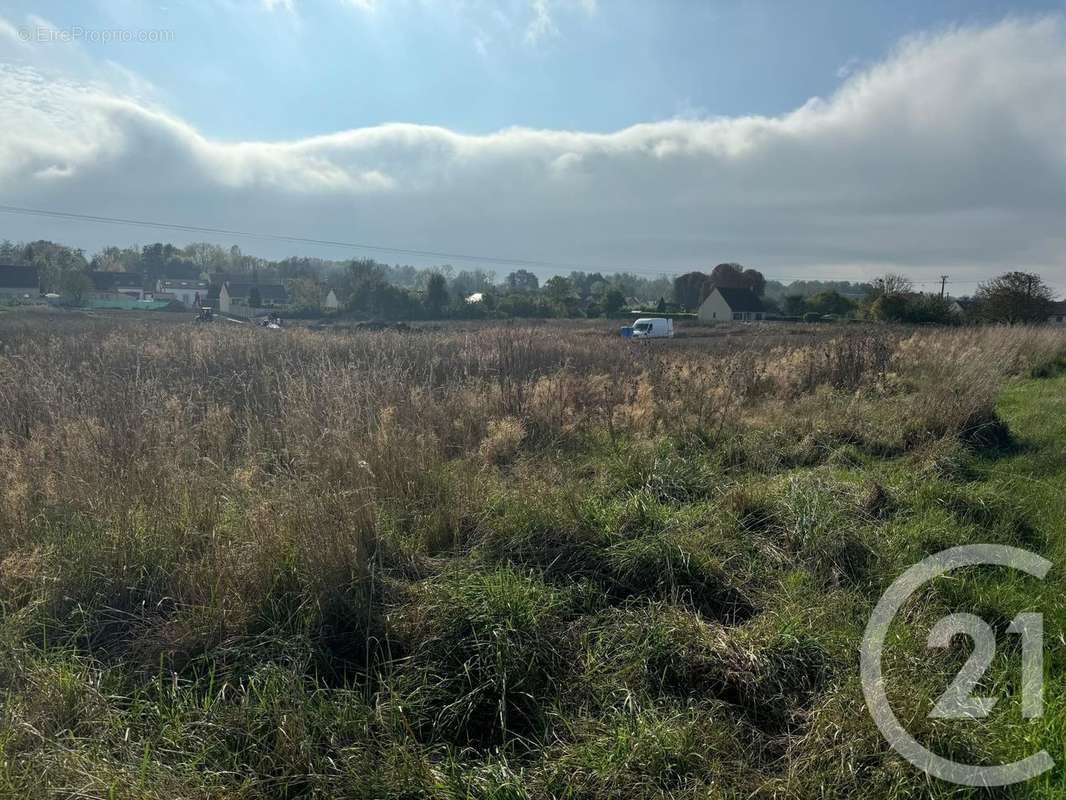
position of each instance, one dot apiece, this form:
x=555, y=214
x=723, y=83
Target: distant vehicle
x=653, y=328
x=207, y=314
x=272, y=321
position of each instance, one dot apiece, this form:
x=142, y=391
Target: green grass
x=606, y=616
x=1034, y=480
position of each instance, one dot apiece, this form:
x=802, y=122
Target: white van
x=653, y=328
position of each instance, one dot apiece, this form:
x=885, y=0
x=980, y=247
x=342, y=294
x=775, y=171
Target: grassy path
x=1035, y=477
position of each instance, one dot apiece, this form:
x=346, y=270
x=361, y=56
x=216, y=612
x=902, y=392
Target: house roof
x=1058, y=309
x=114, y=281
x=12, y=277
x=178, y=270
x=740, y=299
x=169, y=284
x=268, y=292
x=219, y=278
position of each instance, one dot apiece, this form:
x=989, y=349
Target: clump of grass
x=988, y=510
x=876, y=502
x=847, y=456
x=670, y=471
x=486, y=655
x=752, y=507
x=504, y=438
x=657, y=567
x=945, y=459
x=627, y=548
x=986, y=430
x=676, y=751
x=824, y=527
x=633, y=654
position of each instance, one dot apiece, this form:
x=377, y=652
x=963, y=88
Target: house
x=331, y=303
x=234, y=293
x=23, y=283
x=1057, y=315
x=128, y=284
x=960, y=307
x=188, y=292
x=725, y=305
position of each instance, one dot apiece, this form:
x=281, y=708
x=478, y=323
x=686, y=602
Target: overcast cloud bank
x=948, y=156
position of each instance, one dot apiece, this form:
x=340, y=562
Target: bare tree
x=1014, y=297
x=892, y=283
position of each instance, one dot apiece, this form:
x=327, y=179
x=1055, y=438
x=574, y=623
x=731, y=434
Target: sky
x=808, y=139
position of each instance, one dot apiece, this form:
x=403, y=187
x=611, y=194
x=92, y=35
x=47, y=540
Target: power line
x=71, y=216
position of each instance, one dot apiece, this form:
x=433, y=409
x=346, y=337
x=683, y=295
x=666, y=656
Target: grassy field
x=491, y=563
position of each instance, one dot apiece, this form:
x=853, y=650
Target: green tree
x=435, y=299
x=115, y=259
x=558, y=289
x=689, y=289
x=306, y=293
x=392, y=302
x=75, y=286
x=363, y=279
x=889, y=298
x=53, y=262
x=830, y=303
x=735, y=276
x=612, y=301
x=521, y=280
x=916, y=309
x=159, y=260
x=930, y=309
x=794, y=305
x=519, y=304
x=562, y=295
x=206, y=256
x=888, y=308
x=468, y=282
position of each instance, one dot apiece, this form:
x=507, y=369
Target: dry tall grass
x=201, y=501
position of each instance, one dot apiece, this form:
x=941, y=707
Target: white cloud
x=481, y=42
x=946, y=157
x=542, y=25
x=846, y=69
x=12, y=36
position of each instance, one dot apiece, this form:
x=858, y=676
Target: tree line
x=394, y=291
x=1013, y=297
x=365, y=286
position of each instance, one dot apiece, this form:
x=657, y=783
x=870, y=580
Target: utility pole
x=943, y=283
